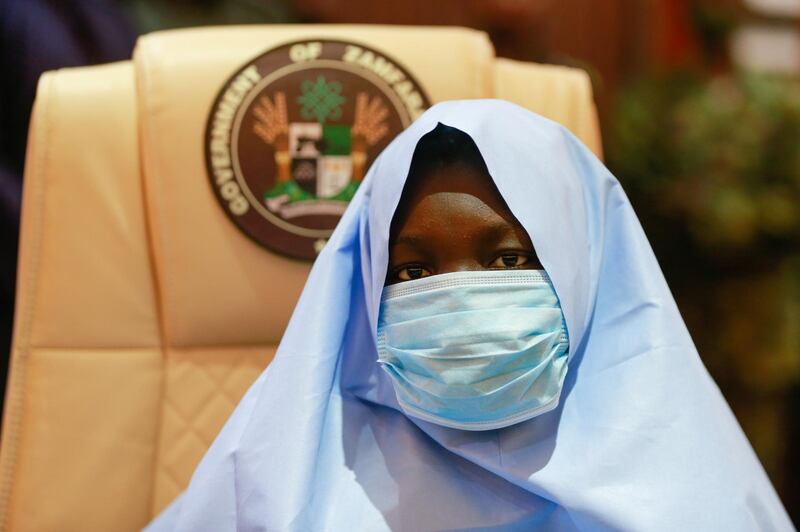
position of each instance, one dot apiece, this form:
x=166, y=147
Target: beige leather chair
x=142, y=312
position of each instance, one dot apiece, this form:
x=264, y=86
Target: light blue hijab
x=642, y=439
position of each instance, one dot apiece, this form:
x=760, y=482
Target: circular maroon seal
x=292, y=133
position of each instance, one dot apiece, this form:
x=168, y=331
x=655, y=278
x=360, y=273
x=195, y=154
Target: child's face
x=454, y=219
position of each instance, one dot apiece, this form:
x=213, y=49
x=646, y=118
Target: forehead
x=448, y=189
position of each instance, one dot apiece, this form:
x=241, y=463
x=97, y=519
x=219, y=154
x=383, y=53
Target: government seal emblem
x=292, y=133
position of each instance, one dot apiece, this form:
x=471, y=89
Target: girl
x=485, y=343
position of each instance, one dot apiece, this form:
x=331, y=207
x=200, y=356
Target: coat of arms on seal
x=293, y=132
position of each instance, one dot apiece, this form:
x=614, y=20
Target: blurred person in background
x=41, y=35
x=36, y=36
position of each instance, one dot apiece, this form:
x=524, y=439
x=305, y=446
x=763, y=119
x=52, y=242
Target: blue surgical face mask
x=474, y=350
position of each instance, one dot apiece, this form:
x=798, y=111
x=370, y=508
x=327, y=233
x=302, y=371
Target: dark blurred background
x=699, y=103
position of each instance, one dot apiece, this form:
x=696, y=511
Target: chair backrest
x=142, y=312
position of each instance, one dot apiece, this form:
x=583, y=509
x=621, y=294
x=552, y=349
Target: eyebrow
x=496, y=231
x=416, y=241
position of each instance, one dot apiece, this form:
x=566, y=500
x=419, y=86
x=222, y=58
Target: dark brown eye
x=509, y=260
x=412, y=272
